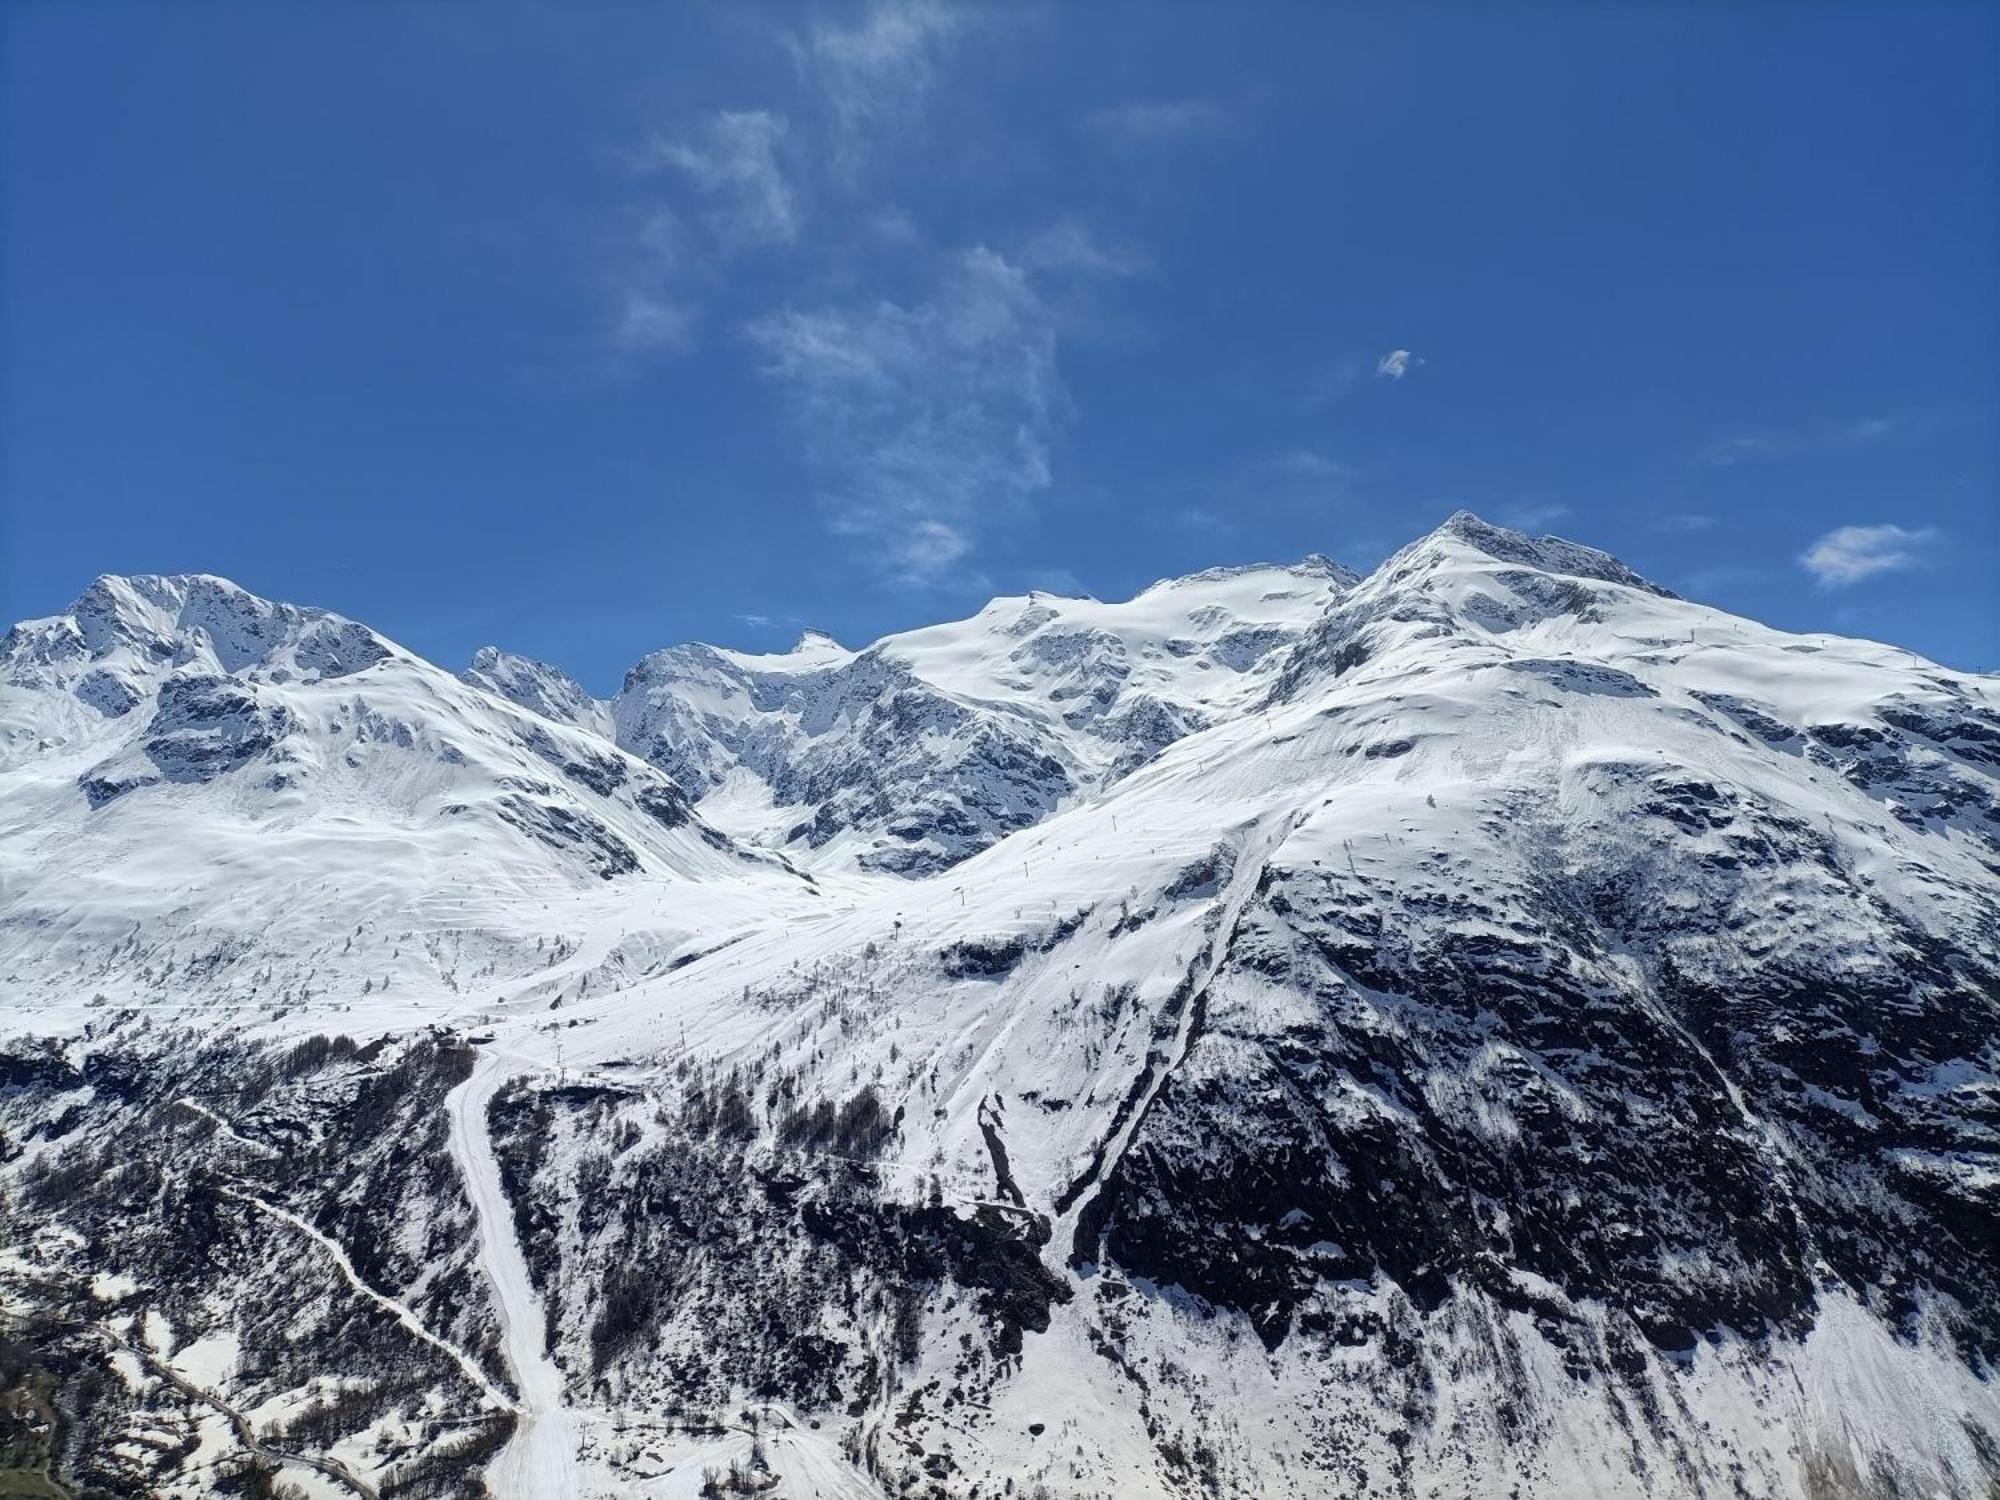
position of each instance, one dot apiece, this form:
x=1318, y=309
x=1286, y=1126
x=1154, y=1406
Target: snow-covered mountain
x=1490, y=1027
x=205, y=788
x=932, y=745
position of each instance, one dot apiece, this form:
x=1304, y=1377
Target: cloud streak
x=732, y=161
x=1140, y=124
x=652, y=314
x=1396, y=364
x=1849, y=554
x=877, y=73
x=1727, y=452
x=930, y=418
x=1534, y=515
x=742, y=180
x=1067, y=247
x=925, y=416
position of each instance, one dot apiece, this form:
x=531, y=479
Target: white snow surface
x=541, y=1457
x=211, y=804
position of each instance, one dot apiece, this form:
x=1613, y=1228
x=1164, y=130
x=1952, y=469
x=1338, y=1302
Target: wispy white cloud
x=893, y=227
x=1396, y=364
x=931, y=419
x=876, y=73
x=1533, y=515
x=1069, y=247
x=1727, y=452
x=744, y=180
x=1199, y=518
x=650, y=323
x=1722, y=453
x=1682, y=522
x=732, y=160
x=1848, y=554
x=1307, y=463
x=1151, y=122
x=927, y=417
x=654, y=311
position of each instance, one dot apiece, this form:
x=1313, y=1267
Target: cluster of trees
x=861, y=1126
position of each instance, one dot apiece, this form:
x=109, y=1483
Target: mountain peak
x=536, y=686
x=811, y=640
x=152, y=602
x=1550, y=554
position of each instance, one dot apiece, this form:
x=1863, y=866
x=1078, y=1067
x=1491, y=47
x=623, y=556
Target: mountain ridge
x=1487, y=1026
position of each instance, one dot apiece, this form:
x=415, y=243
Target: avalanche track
x=540, y=1460
x=1074, y=1239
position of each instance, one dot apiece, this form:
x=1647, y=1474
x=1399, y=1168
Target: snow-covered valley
x=1487, y=1027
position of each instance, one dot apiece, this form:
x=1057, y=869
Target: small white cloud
x=733, y=160
x=1849, y=554
x=758, y=622
x=1153, y=122
x=1396, y=364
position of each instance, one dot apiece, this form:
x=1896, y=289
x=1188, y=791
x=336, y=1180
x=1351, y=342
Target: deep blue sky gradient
x=328, y=298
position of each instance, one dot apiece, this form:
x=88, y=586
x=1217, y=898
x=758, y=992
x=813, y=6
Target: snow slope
x=1487, y=1027
x=1535, y=941
x=205, y=791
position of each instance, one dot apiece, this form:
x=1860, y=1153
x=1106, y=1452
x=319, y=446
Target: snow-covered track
x=540, y=1460
x=400, y=1311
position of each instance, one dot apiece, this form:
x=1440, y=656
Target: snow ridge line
x=401, y=1311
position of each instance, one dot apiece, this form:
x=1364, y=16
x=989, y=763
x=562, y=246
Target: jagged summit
x=1550, y=554
x=812, y=641
x=123, y=634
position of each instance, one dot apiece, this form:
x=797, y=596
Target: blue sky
x=587, y=329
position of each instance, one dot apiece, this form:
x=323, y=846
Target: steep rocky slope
x=1521, y=1033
